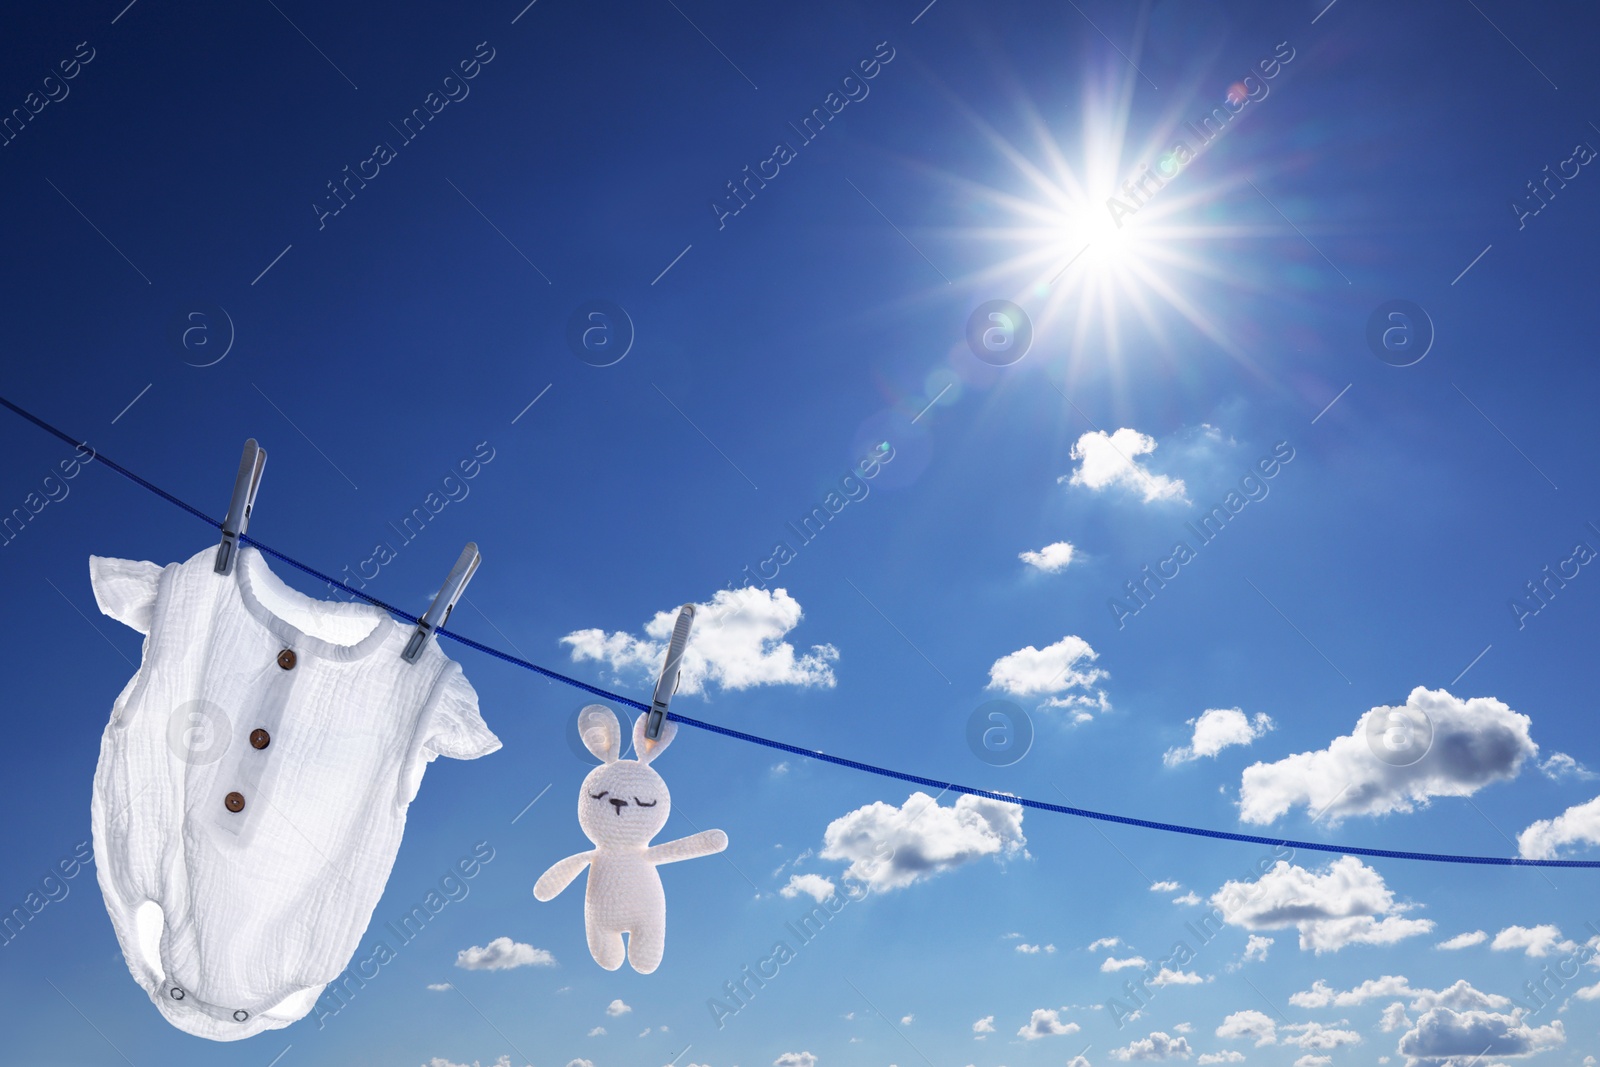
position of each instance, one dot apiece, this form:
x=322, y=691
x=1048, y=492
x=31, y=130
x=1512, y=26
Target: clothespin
x=455, y=583
x=242, y=504
x=667, y=684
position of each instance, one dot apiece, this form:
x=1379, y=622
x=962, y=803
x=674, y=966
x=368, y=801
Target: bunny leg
x=646, y=945
x=606, y=947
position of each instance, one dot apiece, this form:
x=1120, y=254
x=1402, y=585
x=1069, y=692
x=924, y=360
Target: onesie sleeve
x=450, y=726
x=456, y=729
x=125, y=589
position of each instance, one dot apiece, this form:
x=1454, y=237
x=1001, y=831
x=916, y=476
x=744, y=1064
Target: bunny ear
x=646, y=749
x=597, y=725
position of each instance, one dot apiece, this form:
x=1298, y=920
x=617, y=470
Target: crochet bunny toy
x=622, y=805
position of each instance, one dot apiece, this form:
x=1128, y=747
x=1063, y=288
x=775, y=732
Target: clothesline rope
x=838, y=761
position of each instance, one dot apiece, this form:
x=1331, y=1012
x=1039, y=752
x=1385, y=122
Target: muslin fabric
x=253, y=783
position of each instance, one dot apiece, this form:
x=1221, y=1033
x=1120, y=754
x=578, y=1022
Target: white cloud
x=984, y=1025
x=1346, y=903
x=1113, y=964
x=1461, y=996
x=617, y=1007
x=598, y=1031
x=1394, y=1018
x=1165, y=887
x=907, y=1020
x=1034, y=950
x=1167, y=976
x=1317, y=1036
x=1475, y=743
x=1046, y=1022
x=1467, y=940
x=1104, y=942
x=1110, y=459
x=739, y=643
x=890, y=848
x=1538, y=940
x=1560, y=765
x=1191, y=898
x=1052, y=558
x=1442, y=1033
x=813, y=885
x=1216, y=729
x=580, y=1063
x=439, y=987
x=502, y=954
x=1254, y=1025
x=1320, y=995
x=1308, y=1060
x=1228, y=1056
x=1578, y=825
x=1256, y=948
x=1158, y=1046
x=795, y=1059
x=1061, y=671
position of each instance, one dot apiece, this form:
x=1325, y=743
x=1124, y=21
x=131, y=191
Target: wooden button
x=234, y=802
x=260, y=739
x=286, y=659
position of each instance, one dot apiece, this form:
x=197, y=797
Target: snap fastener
x=241, y=1015
x=177, y=994
x=286, y=659
x=234, y=802
x=260, y=739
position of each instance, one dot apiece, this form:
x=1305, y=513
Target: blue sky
x=184, y=168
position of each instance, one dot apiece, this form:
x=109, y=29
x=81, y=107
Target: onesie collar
x=255, y=581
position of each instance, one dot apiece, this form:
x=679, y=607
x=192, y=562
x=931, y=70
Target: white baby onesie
x=253, y=783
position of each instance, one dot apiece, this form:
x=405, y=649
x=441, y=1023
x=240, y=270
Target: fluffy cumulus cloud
x=502, y=954
x=1256, y=948
x=617, y=1007
x=1579, y=825
x=795, y=1059
x=1167, y=976
x=1052, y=558
x=1106, y=460
x=1539, y=940
x=984, y=1025
x=1225, y=1056
x=1158, y=1046
x=1250, y=1025
x=1466, y=940
x=815, y=886
x=1109, y=942
x=1345, y=903
x=1461, y=996
x=1034, y=950
x=1046, y=1022
x=1316, y=1036
x=890, y=848
x=1475, y=743
x=738, y=643
x=1442, y=1037
x=1063, y=673
x=1215, y=730
x=1111, y=963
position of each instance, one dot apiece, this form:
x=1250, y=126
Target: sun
x=1095, y=236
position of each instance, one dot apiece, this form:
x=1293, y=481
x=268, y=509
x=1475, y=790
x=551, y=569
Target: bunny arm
x=560, y=875
x=687, y=848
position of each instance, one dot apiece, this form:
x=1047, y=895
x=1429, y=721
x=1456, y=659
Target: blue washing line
x=840, y=761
